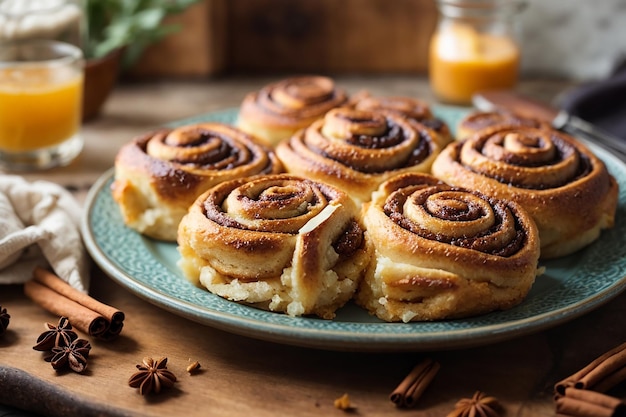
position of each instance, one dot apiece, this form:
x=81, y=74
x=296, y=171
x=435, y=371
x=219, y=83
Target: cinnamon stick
x=611, y=380
x=409, y=391
x=586, y=403
x=84, y=312
x=601, y=374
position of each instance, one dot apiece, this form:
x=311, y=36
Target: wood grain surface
x=241, y=376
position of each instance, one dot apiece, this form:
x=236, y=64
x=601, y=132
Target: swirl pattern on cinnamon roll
x=477, y=121
x=357, y=150
x=277, y=242
x=280, y=109
x=445, y=252
x=409, y=107
x=159, y=175
x=560, y=182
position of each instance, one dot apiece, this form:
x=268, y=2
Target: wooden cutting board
x=246, y=377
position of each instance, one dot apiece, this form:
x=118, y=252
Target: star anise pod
x=480, y=405
x=73, y=356
x=152, y=376
x=60, y=335
x=4, y=320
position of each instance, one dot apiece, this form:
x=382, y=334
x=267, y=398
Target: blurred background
x=137, y=41
x=576, y=39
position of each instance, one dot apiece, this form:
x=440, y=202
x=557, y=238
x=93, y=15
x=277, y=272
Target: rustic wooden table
x=241, y=376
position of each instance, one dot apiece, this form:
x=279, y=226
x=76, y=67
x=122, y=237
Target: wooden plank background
x=243, y=36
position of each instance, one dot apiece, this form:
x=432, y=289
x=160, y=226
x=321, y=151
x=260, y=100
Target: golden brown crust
x=357, y=150
x=409, y=107
x=476, y=121
x=279, y=242
x=445, y=252
x=158, y=175
x=280, y=109
x=560, y=182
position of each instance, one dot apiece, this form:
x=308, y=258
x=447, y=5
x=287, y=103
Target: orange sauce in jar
x=463, y=61
x=39, y=107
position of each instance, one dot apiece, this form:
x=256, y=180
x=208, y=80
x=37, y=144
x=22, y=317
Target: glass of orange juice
x=474, y=48
x=41, y=88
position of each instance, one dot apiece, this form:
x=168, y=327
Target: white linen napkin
x=40, y=226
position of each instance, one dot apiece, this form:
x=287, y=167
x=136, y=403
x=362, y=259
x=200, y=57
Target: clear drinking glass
x=41, y=89
x=475, y=47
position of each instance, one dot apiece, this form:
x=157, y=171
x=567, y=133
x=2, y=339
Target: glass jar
x=475, y=47
x=56, y=20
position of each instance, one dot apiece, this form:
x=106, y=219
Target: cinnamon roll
x=278, y=242
x=409, y=107
x=357, y=150
x=560, y=182
x=280, y=109
x=159, y=175
x=477, y=121
x=445, y=252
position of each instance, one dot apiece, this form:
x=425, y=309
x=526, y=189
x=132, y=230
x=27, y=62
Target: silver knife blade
x=527, y=107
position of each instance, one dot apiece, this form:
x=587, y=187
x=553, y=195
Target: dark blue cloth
x=602, y=103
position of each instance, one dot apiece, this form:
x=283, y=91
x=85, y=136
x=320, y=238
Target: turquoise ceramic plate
x=570, y=287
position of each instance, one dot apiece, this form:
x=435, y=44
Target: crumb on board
x=343, y=403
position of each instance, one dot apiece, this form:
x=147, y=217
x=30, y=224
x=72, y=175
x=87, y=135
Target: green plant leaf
x=129, y=24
